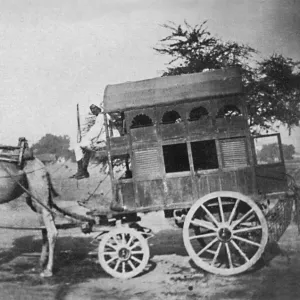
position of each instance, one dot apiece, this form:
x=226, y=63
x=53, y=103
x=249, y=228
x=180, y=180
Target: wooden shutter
x=234, y=152
x=147, y=164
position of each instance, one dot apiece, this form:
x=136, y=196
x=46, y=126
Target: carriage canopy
x=166, y=90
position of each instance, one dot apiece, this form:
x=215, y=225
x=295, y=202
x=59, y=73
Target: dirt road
x=169, y=274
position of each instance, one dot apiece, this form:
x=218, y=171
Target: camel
x=34, y=180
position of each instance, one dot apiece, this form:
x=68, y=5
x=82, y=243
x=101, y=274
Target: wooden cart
x=189, y=152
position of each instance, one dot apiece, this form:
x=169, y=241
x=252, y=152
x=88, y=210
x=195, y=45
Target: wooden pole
x=78, y=126
x=108, y=152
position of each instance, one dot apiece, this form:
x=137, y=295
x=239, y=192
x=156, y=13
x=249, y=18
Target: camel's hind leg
x=51, y=232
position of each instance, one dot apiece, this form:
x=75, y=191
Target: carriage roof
x=170, y=89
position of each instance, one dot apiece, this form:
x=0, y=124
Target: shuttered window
x=234, y=152
x=147, y=163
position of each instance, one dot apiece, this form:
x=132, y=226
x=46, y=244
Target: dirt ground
x=169, y=275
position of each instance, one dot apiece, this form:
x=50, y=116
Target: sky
x=60, y=53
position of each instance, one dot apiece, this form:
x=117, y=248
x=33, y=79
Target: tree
x=272, y=86
x=270, y=153
x=58, y=145
x=288, y=151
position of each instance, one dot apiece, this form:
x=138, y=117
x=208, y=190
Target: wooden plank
x=150, y=193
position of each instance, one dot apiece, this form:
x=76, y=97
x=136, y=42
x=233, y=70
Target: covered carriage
x=189, y=152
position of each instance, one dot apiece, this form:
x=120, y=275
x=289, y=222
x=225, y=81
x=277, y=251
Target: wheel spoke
x=203, y=235
x=216, y=254
x=245, y=216
x=229, y=255
x=210, y=215
x=110, y=253
x=239, y=250
x=211, y=251
x=117, y=265
x=245, y=240
x=136, y=259
x=205, y=224
x=247, y=229
x=137, y=252
x=135, y=245
x=123, y=239
x=111, y=246
x=112, y=259
x=123, y=267
x=207, y=246
x=131, y=265
x=130, y=240
x=233, y=211
x=221, y=210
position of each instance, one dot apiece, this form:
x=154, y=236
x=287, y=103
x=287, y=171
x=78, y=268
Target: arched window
x=229, y=111
x=198, y=113
x=141, y=120
x=171, y=117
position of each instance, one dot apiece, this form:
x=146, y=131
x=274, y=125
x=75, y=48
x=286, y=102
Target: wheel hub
x=124, y=254
x=224, y=234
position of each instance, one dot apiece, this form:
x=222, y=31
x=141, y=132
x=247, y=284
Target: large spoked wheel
x=123, y=253
x=225, y=233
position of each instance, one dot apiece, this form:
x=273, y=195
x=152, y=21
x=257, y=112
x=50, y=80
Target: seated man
x=96, y=133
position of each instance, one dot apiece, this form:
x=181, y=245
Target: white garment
x=96, y=134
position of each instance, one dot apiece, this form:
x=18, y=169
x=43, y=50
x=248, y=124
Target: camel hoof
x=46, y=273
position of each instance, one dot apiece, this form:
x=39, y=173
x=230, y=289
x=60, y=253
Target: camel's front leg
x=51, y=235
x=45, y=249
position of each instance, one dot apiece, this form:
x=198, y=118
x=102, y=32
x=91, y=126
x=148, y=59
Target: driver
x=96, y=134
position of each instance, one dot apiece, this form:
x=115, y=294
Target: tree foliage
x=272, y=85
x=52, y=144
x=270, y=153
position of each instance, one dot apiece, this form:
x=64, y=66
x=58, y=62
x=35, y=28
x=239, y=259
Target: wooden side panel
x=244, y=181
x=143, y=134
x=125, y=191
x=235, y=180
x=228, y=181
x=271, y=178
x=119, y=145
x=172, y=131
x=199, y=126
x=179, y=190
x=203, y=185
x=150, y=193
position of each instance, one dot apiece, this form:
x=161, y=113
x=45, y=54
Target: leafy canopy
x=52, y=144
x=272, y=85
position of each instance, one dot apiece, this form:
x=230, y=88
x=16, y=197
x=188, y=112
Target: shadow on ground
x=76, y=258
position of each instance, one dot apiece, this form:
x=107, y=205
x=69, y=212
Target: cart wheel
x=225, y=233
x=123, y=253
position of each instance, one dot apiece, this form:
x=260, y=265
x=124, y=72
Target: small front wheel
x=123, y=253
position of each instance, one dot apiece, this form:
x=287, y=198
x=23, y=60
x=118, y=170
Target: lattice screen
x=147, y=163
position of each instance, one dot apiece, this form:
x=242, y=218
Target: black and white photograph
x=149, y=149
